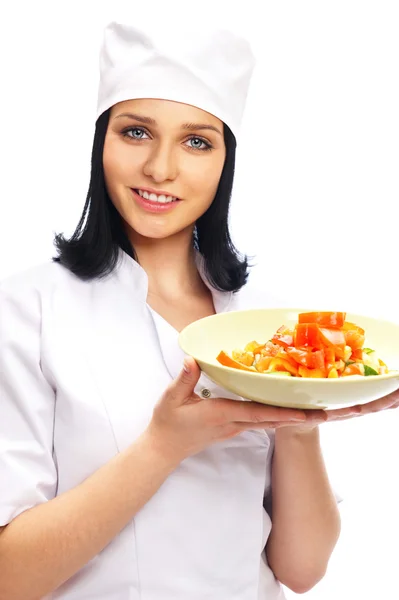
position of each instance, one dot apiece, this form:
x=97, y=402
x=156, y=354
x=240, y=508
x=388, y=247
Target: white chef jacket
x=82, y=365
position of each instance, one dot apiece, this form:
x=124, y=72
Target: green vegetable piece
x=369, y=370
x=368, y=350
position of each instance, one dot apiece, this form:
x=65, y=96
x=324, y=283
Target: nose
x=161, y=164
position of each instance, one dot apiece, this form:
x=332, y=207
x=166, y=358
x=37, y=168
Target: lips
x=159, y=205
x=162, y=198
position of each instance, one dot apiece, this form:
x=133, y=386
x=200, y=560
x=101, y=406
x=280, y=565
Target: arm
x=305, y=517
x=65, y=533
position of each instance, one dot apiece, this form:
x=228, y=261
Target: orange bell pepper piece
x=314, y=373
x=253, y=347
x=352, y=327
x=280, y=364
x=383, y=367
x=227, y=361
x=333, y=374
x=263, y=363
x=244, y=358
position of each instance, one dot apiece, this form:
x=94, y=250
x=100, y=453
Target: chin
x=159, y=232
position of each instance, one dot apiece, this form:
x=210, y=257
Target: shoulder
x=35, y=280
x=38, y=277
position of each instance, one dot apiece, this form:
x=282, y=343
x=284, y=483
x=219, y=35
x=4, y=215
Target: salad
x=321, y=345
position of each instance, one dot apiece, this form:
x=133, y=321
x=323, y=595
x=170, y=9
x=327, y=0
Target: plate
x=205, y=338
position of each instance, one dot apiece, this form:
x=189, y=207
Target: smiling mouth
x=159, y=198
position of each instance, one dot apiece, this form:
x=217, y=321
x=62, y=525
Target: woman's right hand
x=183, y=424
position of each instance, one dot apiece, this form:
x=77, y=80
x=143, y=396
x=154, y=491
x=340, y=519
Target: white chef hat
x=207, y=69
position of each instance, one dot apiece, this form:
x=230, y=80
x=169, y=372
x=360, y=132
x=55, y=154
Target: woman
x=125, y=476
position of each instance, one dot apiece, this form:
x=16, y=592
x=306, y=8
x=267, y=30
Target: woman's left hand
x=390, y=401
x=317, y=417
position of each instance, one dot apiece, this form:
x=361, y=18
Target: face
x=164, y=148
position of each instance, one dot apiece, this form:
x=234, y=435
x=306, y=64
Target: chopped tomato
x=302, y=357
x=283, y=339
x=318, y=359
x=227, y=361
x=357, y=354
x=324, y=319
x=329, y=356
x=308, y=335
x=307, y=358
x=270, y=349
x=354, y=339
x=356, y=368
x=333, y=338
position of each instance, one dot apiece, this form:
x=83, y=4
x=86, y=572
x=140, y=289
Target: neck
x=170, y=264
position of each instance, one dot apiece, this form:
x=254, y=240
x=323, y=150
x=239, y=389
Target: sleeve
x=28, y=474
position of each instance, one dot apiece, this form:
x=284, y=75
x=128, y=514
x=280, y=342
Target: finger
x=316, y=414
x=357, y=411
x=182, y=388
x=341, y=413
x=380, y=404
x=345, y=418
x=316, y=417
x=252, y=412
x=264, y=425
x=363, y=409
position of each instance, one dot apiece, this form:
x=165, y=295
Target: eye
x=137, y=133
x=197, y=143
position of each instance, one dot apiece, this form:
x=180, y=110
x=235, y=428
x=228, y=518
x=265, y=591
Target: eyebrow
x=149, y=121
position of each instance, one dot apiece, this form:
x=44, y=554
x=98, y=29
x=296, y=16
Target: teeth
x=154, y=198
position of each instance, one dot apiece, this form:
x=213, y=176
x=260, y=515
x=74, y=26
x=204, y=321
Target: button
x=205, y=393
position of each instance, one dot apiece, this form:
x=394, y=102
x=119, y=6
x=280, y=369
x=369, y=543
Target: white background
x=315, y=199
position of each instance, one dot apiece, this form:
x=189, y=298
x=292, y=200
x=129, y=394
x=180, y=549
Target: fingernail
x=186, y=368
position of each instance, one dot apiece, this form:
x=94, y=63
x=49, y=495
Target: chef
x=125, y=473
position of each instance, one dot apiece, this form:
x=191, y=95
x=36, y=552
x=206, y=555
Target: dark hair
x=92, y=251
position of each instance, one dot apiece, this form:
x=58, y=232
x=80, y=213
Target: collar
x=132, y=273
